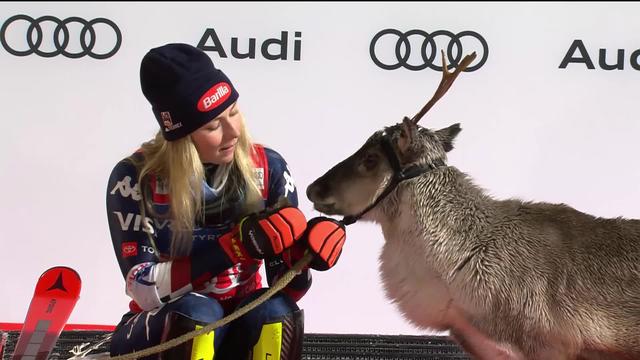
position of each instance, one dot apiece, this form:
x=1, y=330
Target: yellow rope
x=279, y=285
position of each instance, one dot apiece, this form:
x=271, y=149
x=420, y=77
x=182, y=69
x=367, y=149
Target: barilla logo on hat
x=168, y=122
x=214, y=97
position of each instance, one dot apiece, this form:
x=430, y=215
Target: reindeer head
x=354, y=184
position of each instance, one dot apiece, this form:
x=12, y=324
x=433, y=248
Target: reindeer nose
x=316, y=191
x=311, y=192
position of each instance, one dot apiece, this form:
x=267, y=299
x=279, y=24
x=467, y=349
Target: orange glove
x=324, y=237
x=264, y=234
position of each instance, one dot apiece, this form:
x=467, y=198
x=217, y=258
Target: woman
x=195, y=212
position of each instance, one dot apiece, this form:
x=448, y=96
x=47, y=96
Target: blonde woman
x=196, y=211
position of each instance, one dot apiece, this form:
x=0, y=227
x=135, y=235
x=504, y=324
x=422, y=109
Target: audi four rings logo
x=61, y=36
x=428, y=51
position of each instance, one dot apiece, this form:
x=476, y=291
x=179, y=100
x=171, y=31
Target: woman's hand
x=269, y=232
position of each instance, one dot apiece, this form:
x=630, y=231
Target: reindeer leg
x=476, y=343
x=481, y=347
x=599, y=354
x=545, y=347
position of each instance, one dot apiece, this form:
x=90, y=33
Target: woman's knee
x=272, y=310
x=197, y=307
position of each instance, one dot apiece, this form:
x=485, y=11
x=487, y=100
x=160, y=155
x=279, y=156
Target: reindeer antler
x=447, y=79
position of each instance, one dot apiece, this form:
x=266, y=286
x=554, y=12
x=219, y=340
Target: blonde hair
x=178, y=164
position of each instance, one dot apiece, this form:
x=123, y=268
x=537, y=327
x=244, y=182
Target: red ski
x=3, y=343
x=56, y=294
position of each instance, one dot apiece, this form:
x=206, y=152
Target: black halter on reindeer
x=509, y=279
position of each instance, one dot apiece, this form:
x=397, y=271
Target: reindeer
x=508, y=279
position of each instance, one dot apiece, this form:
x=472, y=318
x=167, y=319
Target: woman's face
x=216, y=140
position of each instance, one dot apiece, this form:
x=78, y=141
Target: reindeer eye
x=370, y=162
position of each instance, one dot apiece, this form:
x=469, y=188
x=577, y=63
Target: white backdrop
x=531, y=129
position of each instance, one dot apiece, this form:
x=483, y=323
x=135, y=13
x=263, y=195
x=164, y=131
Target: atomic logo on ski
x=58, y=284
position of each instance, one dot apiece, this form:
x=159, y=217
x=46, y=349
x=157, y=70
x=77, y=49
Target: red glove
x=324, y=237
x=265, y=234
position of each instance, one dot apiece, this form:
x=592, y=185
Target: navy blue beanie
x=184, y=88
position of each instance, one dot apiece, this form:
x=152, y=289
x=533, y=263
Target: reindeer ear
x=447, y=135
x=408, y=133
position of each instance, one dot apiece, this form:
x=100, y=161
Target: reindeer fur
x=508, y=278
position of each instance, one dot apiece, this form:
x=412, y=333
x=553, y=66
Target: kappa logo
x=289, y=185
x=125, y=189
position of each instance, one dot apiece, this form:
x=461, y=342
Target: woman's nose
x=231, y=128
